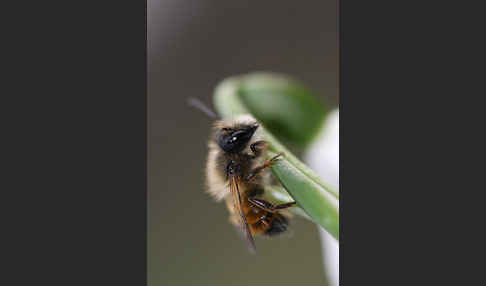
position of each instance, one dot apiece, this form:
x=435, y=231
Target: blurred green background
x=191, y=47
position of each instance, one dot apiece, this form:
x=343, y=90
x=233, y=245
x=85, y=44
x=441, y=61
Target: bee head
x=235, y=139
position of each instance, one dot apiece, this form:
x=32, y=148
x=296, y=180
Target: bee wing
x=235, y=192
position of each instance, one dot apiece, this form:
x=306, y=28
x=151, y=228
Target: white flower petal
x=323, y=158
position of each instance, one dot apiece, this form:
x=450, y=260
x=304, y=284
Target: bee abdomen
x=278, y=225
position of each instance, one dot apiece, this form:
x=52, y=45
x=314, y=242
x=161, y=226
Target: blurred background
x=193, y=45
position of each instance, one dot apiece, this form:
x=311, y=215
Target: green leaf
x=288, y=109
x=319, y=204
x=287, y=102
x=279, y=195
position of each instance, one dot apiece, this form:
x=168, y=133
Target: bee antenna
x=196, y=103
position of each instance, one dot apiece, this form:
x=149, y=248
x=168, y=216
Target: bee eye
x=237, y=140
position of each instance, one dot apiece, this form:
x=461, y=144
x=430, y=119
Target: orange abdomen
x=264, y=222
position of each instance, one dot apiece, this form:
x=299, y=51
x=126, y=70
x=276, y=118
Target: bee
x=236, y=173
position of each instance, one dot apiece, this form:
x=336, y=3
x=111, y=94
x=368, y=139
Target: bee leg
x=257, y=148
x=268, y=206
x=259, y=169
